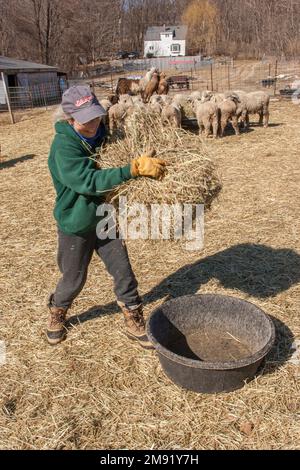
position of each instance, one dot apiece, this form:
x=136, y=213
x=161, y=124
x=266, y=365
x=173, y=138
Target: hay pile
x=99, y=391
x=191, y=176
x=187, y=110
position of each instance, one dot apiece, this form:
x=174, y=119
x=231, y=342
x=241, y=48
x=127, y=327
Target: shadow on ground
x=257, y=270
x=14, y=161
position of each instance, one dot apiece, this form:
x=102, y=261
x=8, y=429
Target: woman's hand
x=146, y=165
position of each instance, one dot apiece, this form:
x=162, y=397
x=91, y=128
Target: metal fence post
x=44, y=96
x=211, y=77
x=276, y=73
x=7, y=98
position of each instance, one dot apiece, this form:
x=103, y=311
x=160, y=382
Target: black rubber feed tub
x=210, y=343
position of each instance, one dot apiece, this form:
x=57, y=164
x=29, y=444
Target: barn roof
x=9, y=65
x=153, y=32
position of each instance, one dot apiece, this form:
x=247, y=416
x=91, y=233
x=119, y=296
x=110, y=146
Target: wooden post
x=269, y=70
x=228, y=76
x=7, y=98
x=211, y=77
x=275, y=82
x=111, y=82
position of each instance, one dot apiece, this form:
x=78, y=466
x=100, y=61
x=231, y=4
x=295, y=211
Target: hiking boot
x=135, y=325
x=56, y=330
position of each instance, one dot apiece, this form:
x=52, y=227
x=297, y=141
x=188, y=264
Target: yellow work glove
x=146, y=165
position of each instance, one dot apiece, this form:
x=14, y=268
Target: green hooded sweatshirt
x=79, y=185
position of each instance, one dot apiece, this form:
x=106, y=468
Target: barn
x=27, y=84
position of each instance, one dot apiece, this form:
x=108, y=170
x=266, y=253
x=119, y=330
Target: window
x=175, y=48
x=151, y=48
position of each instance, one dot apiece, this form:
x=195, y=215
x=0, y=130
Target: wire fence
x=33, y=96
x=221, y=75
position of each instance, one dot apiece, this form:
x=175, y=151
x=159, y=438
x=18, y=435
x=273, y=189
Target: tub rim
x=228, y=365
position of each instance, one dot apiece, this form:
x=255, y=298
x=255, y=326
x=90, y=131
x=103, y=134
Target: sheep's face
x=155, y=99
x=207, y=96
x=126, y=100
x=234, y=98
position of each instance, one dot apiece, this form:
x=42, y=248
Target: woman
x=78, y=184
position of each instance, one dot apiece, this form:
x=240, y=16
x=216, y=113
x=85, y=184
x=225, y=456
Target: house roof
x=9, y=65
x=153, y=32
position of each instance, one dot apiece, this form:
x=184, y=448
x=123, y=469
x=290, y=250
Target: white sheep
x=171, y=114
x=156, y=103
x=213, y=97
x=106, y=105
x=196, y=95
x=126, y=99
x=166, y=99
x=228, y=112
x=180, y=99
x=117, y=114
x=185, y=104
x=208, y=116
x=256, y=102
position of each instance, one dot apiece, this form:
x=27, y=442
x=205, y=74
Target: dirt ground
x=99, y=391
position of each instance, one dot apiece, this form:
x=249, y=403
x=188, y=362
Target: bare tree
x=60, y=32
x=47, y=24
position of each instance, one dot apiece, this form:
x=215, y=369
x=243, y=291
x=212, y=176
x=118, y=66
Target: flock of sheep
x=213, y=111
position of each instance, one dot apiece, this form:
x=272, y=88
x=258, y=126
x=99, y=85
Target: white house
x=165, y=41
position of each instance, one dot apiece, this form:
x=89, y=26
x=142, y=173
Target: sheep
x=151, y=87
x=183, y=102
x=213, y=97
x=137, y=99
x=256, y=102
x=106, y=104
x=117, y=114
x=138, y=103
x=113, y=99
x=156, y=104
x=195, y=95
x=180, y=98
x=128, y=86
x=126, y=99
x=146, y=79
x=208, y=115
x=163, y=86
x=171, y=114
x=166, y=99
x=228, y=112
